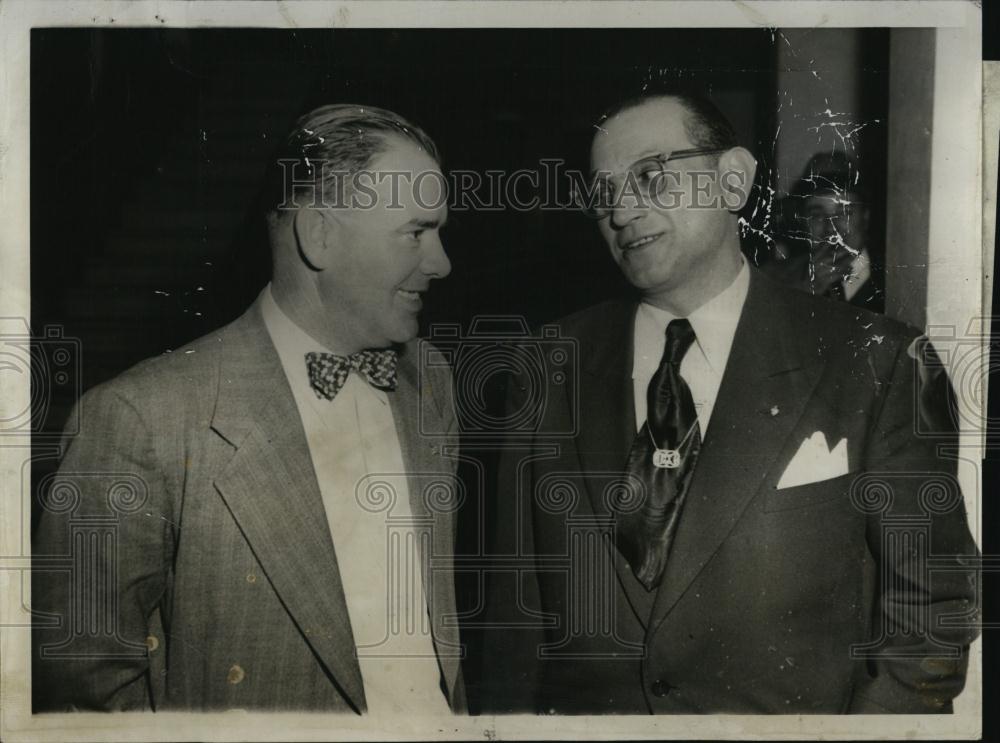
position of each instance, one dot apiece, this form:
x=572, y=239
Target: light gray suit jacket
x=183, y=557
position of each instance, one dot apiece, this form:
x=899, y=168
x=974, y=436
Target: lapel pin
x=774, y=410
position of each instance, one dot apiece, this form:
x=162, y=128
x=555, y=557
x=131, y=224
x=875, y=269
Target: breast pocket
x=810, y=495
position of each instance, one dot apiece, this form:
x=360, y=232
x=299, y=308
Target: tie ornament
x=328, y=371
x=668, y=458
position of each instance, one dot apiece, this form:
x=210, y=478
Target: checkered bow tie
x=328, y=371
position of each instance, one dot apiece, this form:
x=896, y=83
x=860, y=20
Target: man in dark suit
x=828, y=242
x=254, y=521
x=735, y=489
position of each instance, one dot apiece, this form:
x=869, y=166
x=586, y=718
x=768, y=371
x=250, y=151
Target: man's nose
x=629, y=210
x=435, y=261
x=830, y=228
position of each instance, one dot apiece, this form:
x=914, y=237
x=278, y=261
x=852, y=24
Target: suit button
x=660, y=688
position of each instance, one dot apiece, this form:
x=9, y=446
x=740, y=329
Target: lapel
x=270, y=487
x=607, y=422
x=418, y=406
x=771, y=374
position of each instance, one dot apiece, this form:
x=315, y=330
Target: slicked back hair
x=334, y=140
x=706, y=126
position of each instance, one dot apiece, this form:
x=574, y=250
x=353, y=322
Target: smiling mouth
x=641, y=242
x=412, y=295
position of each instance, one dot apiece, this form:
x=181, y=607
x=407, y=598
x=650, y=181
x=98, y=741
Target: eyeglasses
x=645, y=179
x=840, y=211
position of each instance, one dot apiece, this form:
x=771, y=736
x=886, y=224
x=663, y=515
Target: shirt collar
x=714, y=324
x=861, y=271
x=291, y=341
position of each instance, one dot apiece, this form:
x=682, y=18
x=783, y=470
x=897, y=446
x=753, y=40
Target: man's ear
x=310, y=237
x=737, y=168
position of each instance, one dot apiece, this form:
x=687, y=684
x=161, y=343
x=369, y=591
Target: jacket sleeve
x=101, y=555
x=917, y=531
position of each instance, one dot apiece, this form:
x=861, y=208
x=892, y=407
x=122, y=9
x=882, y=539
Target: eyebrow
x=426, y=224
x=642, y=156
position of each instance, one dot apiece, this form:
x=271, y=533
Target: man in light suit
x=255, y=521
x=735, y=491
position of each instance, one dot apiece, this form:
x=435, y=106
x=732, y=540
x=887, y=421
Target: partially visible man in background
x=247, y=484
x=828, y=242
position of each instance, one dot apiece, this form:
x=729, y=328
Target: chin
x=403, y=332
x=646, y=280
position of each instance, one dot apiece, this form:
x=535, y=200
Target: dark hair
x=831, y=172
x=343, y=138
x=706, y=126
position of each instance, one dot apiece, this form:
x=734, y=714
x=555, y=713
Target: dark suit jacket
x=795, y=271
x=189, y=505
x=816, y=598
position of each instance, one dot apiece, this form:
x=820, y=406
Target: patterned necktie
x=328, y=371
x=662, y=457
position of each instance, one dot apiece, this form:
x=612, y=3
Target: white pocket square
x=815, y=461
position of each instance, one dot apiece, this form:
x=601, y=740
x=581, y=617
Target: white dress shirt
x=861, y=271
x=353, y=442
x=714, y=325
